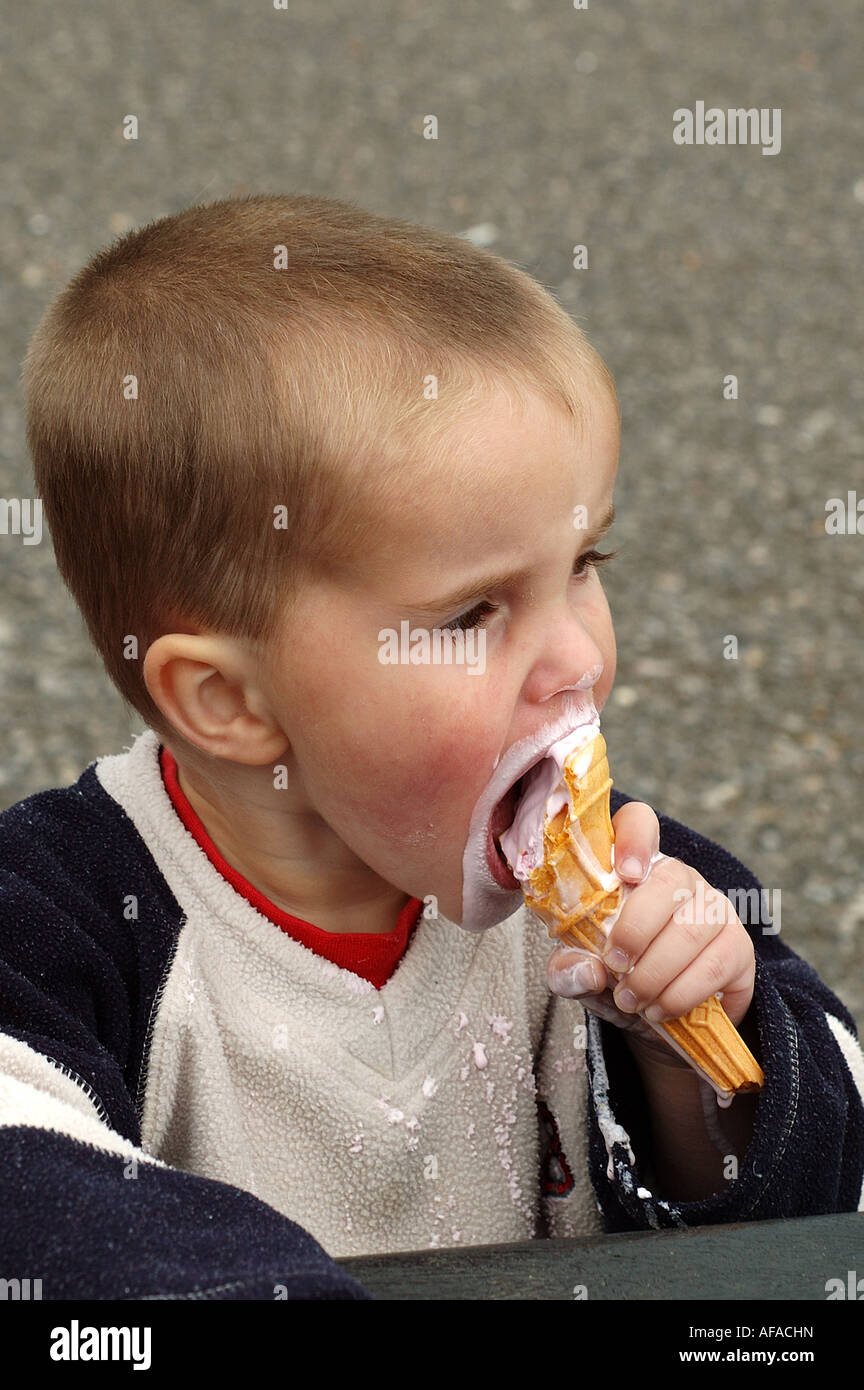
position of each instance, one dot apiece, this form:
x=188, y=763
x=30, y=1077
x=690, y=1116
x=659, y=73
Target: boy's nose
x=569, y=659
x=586, y=682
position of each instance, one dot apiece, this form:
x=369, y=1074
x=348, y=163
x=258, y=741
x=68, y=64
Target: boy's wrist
x=690, y=1154
x=655, y=1058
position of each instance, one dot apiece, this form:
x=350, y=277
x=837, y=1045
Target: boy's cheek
x=412, y=772
x=422, y=825
x=402, y=805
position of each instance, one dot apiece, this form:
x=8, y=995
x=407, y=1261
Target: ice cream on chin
x=560, y=848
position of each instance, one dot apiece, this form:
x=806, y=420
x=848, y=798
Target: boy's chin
x=485, y=902
x=481, y=912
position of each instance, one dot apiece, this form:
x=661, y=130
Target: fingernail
x=618, y=960
x=631, y=868
x=655, y=1013
x=581, y=977
x=626, y=1000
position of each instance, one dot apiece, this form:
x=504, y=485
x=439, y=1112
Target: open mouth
x=514, y=791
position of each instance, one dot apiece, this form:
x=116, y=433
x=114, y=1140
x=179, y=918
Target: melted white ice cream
x=544, y=795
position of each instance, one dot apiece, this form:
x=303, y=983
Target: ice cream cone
x=577, y=894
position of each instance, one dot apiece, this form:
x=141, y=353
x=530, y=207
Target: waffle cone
x=575, y=892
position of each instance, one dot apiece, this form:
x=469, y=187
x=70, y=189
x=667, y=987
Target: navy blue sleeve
x=82, y=1207
x=806, y=1156
x=93, y=1224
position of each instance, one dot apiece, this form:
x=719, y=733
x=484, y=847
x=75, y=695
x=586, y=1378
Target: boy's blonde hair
x=286, y=353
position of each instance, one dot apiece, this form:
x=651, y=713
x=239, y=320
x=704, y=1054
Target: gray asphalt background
x=555, y=128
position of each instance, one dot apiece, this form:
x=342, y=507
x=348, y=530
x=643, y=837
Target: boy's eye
x=474, y=617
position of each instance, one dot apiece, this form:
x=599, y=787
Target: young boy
x=266, y=986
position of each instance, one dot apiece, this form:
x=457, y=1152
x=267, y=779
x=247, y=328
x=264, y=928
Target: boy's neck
x=367, y=904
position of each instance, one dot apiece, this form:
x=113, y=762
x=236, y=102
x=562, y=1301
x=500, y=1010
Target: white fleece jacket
x=379, y=1120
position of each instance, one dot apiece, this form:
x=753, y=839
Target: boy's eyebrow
x=476, y=588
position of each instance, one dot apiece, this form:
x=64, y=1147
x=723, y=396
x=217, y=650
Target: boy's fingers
x=672, y=956
x=637, y=839
x=572, y=973
x=726, y=965
x=564, y=966
x=647, y=912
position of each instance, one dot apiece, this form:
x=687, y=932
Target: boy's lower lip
x=498, y=868
x=501, y=820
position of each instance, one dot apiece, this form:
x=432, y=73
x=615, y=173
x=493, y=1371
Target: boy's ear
x=205, y=687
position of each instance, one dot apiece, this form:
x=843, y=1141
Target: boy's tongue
x=545, y=792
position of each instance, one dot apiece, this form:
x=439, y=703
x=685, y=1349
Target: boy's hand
x=671, y=966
